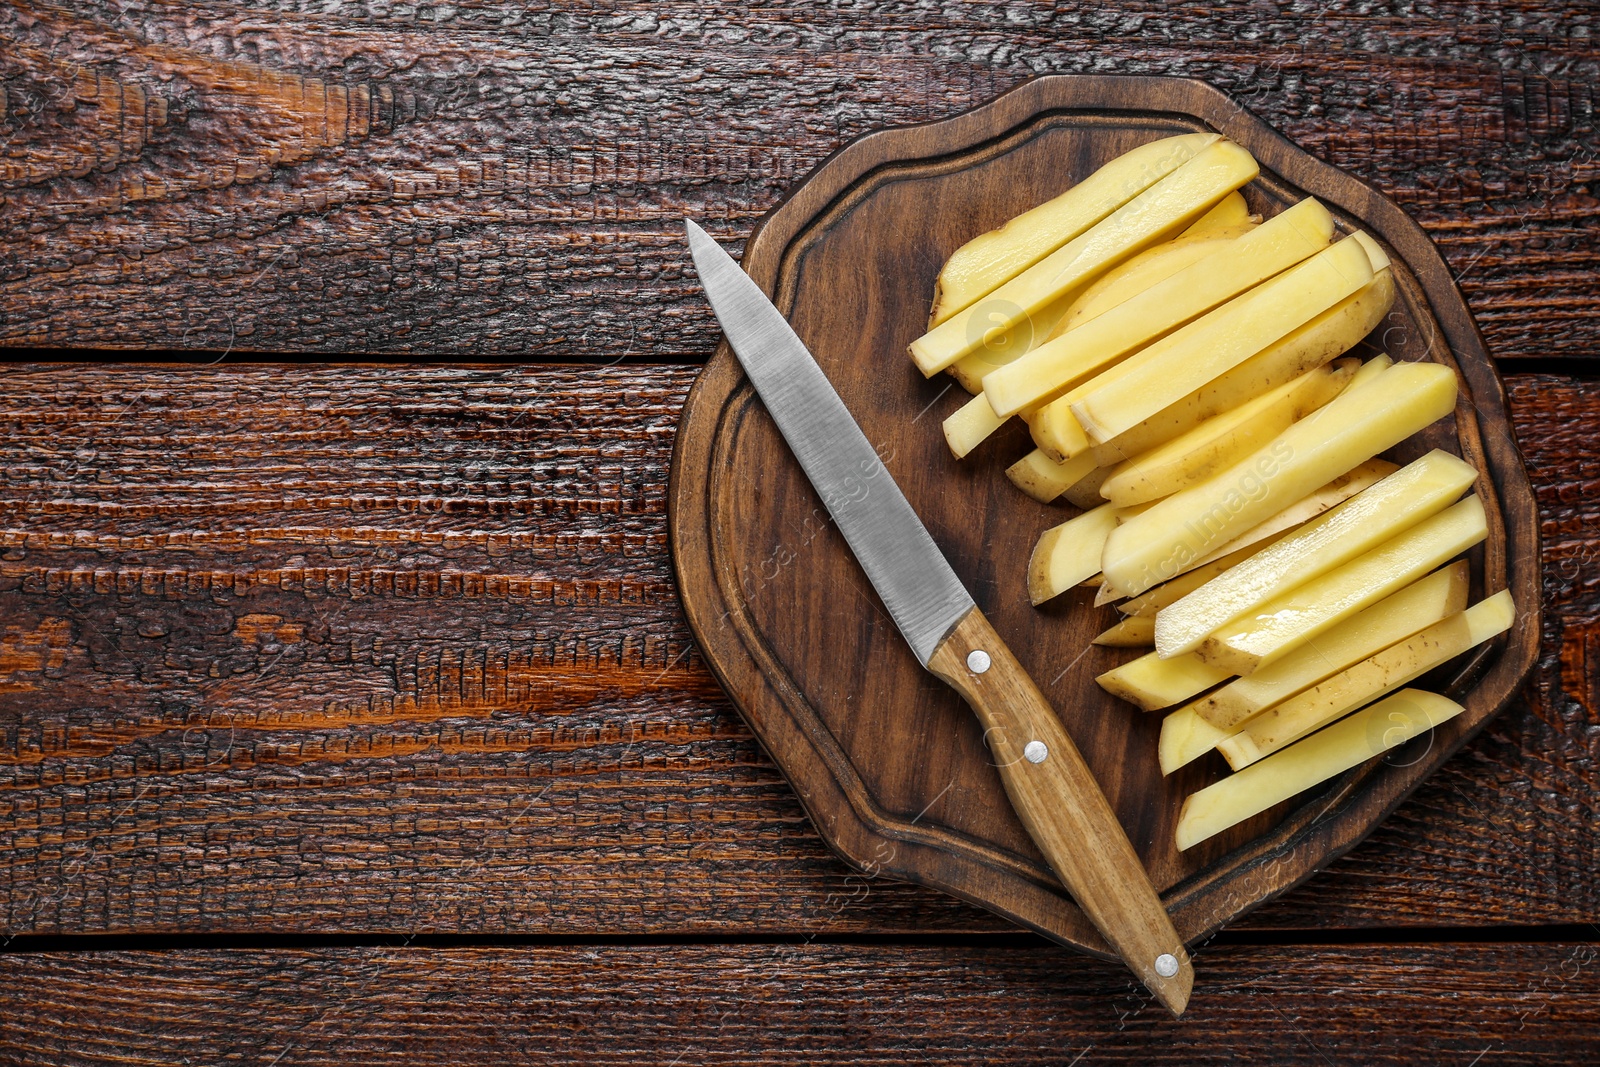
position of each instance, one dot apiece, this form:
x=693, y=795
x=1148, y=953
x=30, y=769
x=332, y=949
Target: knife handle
x=1061, y=805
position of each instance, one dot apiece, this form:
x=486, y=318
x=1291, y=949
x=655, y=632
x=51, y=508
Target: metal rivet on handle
x=1035, y=751
x=1166, y=965
x=977, y=661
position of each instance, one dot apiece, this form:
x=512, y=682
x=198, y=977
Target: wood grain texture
x=819, y=1003
x=495, y=178
x=397, y=650
x=545, y=751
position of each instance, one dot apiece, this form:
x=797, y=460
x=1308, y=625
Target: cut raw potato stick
x=1079, y=354
x=1328, y=335
x=1306, y=508
x=1224, y=439
x=1417, y=491
x=1068, y=554
x=1366, y=633
x=1375, y=253
x=1105, y=596
x=1129, y=633
x=1185, y=737
x=1055, y=429
x=1232, y=212
x=1152, y=601
x=1043, y=478
x=1001, y=347
x=1352, y=428
x=1153, y=265
x=991, y=259
x=1153, y=683
x=1308, y=347
x=1085, y=492
x=1130, y=278
x=970, y=425
x=1214, y=344
x=1290, y=619
x=1368, y=680
x=1162, y=209
x=1251, y=541
x=1347, y=744
x=1370, y=369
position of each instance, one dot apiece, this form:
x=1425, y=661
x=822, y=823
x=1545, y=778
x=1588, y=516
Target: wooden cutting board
x=888, y=762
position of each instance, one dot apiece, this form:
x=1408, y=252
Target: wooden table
x=347, y=712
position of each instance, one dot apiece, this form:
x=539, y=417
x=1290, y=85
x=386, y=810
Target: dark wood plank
x=478, y=708
x=489, y=179
x=407, y=653
x=821, y=1003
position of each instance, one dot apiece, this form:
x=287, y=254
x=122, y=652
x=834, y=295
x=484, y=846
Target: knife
x=1050, y=786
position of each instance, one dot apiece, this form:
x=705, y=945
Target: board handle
x=1061, y=805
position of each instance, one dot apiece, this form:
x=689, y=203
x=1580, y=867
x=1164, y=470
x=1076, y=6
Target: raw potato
x=1171, y=362
x=1306, y=508
x=1085, y=492
x=1152, y=601
x=1068, y=554
x=1153, y=683
x=1290, y=619
x=1368, y=680
x=1370, y=370
x=1043, y=478
x=1417, y=491
x=970, y=425
x=1219, y=341
x=1129, y=279
x=1252, y=540
x=1159, y=211
x=1105, y=596
x=1151, y=266
x=1001, y=348
x=1084, y=351
x=1230, y=213
x=1352, y=428
x=1375, y=253
x=1328, y=335
x=1185, y=737
x=1129, y=633
x=1224, y=439
x=991, y=259
x=969, y=371
x=1368, y=632
x=1055, y=429
x=1219, y=561
x=1316, y=759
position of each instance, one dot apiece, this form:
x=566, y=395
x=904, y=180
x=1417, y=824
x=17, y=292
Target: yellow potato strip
x=1420, y=489
x=1216, y=343
x=1353, y=428
x=1368, y=680
x=1168, y=204
x=1319, y=757
x=991, y=259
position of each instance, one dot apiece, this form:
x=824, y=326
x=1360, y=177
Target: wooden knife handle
x=1062, y=806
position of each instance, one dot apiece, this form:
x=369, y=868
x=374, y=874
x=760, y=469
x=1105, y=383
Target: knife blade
x=1045, y=777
